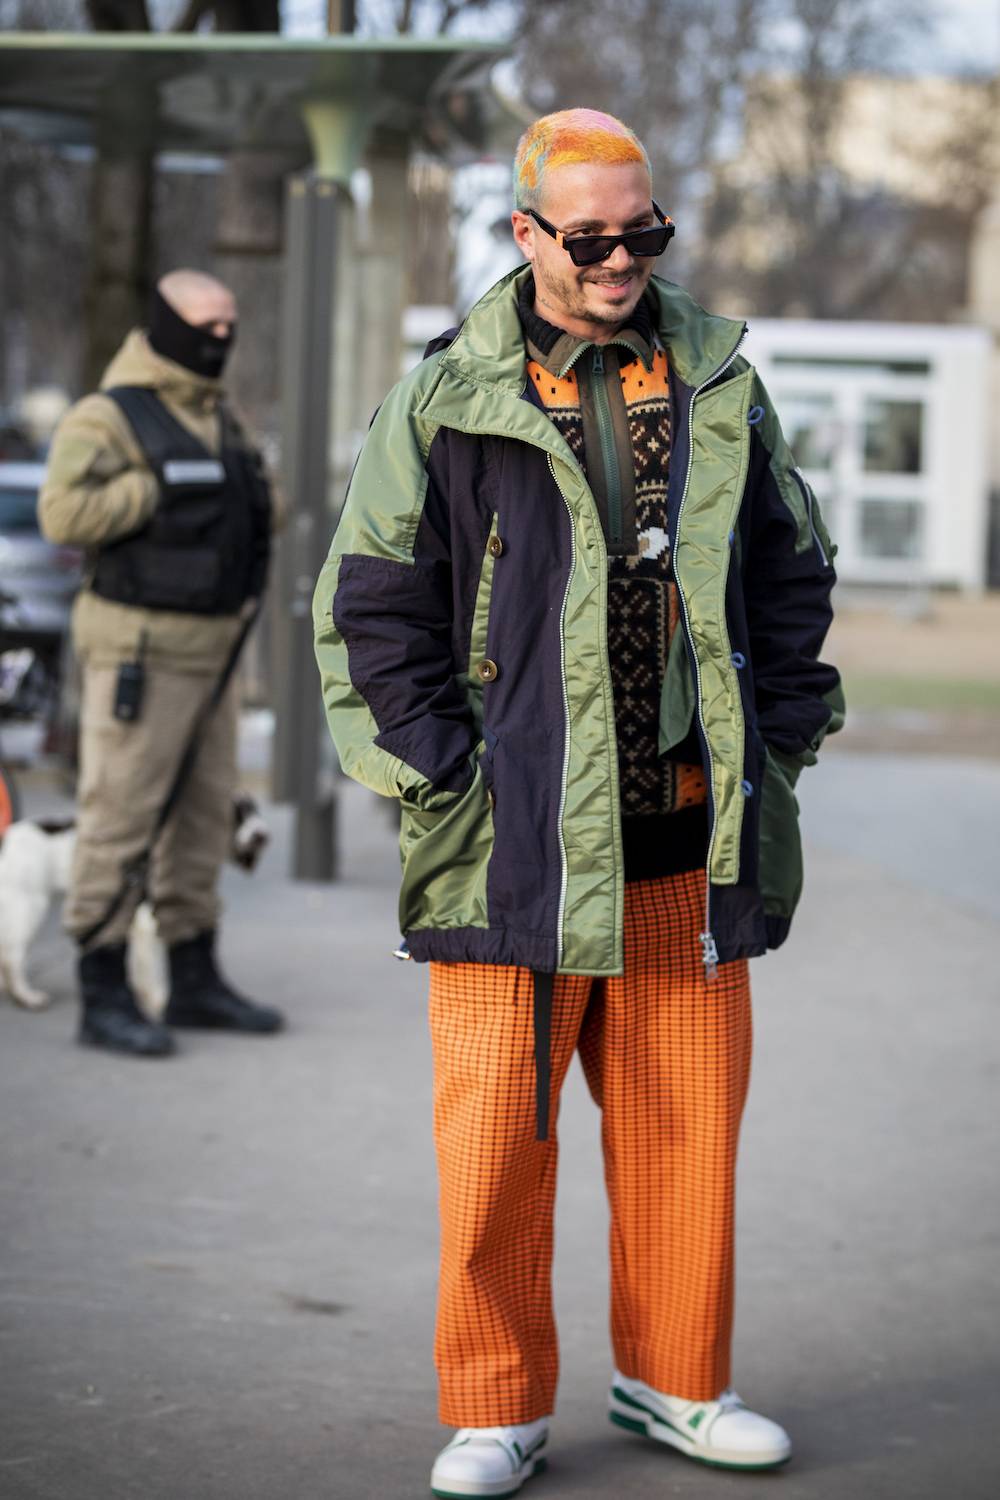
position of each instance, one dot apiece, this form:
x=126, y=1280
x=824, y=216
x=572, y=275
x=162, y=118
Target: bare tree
x=674, y=71
x=798, y=226
x=430, y=17
x=745, y=107
x=123, y=188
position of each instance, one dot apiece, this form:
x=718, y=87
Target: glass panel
x=855, y=362
x=17, y=510
x=892, y=528
x=893, y=436
x=807, y=420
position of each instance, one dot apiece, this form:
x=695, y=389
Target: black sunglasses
x=591, y=249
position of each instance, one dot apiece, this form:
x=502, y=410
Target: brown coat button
x=487, y=671
x=494, y=546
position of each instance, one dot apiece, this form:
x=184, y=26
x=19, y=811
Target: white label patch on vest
x=193, y=471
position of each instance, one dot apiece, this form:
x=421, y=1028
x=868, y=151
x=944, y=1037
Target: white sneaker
x=490, y=1460
x=723, y=1433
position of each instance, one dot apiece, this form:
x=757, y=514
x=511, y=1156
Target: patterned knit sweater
x=611, y=403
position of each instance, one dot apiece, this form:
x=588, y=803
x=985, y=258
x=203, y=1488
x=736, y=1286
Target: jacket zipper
x=709, y=948
x=807, y=496
x=564, y=873
x=609, y=456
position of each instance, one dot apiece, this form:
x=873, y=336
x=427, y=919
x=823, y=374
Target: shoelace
x=507, y=1437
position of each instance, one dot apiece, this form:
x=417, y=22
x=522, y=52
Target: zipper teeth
x=565, y=768
x=807, y=494
x=687, y=626
x=612, y=477
x=582, y=349
x=572, y=360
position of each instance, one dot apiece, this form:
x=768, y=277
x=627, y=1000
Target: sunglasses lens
x=647, y=242
x=589, y=249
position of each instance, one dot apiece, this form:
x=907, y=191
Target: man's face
x=589, y=198
x=211, y=307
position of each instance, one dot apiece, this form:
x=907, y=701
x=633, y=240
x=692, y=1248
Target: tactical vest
x=205, y=549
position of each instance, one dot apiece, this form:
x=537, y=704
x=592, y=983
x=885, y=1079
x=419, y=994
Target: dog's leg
x=23, y=916
x=147, y=963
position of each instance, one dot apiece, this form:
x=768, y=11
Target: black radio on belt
x=130, y=686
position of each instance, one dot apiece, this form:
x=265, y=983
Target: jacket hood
x=137, y=363
x=489, y=350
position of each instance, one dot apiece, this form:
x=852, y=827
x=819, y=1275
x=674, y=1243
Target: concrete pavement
x=217, y=1272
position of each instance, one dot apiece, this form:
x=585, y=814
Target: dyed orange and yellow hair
x=570, y=135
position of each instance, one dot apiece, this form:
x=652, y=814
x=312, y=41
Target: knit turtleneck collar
x=554, y=348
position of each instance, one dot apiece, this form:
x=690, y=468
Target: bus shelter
x=324, y=101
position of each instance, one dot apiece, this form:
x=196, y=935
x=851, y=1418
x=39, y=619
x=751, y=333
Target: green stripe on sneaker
x=621, y=1395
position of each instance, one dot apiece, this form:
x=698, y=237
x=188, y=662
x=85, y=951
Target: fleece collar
x=137, y=363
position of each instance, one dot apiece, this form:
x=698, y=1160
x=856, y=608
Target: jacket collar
x=556, y=350
x=489, y=351
x=137, y=363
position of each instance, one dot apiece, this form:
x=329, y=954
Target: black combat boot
x=200, y=997
x=111, y=1018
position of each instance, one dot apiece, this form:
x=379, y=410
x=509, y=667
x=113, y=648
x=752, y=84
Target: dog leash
x=135, y=872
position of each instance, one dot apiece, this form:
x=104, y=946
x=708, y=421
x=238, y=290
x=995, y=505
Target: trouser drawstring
x=543, y=1040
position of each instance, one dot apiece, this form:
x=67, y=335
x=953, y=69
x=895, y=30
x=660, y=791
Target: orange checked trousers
x=667, y=1060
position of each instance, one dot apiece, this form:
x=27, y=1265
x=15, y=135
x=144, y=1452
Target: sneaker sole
x=492, y=1488
x=636, y=1418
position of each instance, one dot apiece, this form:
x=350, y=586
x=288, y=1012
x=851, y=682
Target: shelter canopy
x=218, y=93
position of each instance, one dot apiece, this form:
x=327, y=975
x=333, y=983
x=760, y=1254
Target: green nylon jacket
x=461, y=637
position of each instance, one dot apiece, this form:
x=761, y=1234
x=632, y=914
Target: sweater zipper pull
x=598, y=363
x=709, y=955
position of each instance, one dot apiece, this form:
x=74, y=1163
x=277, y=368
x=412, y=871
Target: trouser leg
x=125, y=772
x=495, y=1346
x=667, y=1058
x=193, y=846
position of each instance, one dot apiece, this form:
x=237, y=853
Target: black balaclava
x=197, y=349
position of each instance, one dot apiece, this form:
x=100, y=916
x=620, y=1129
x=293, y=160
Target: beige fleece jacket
x=98, y=487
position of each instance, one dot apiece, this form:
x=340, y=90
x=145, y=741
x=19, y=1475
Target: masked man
x=571, y=620
x=157, y=479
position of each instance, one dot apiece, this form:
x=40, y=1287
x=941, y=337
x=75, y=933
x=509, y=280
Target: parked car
x=38, y=677
x=42, y=577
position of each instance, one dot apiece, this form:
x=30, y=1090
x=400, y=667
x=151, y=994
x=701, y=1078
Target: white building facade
x=889, y=423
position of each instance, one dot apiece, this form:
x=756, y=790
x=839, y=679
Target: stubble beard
x=566, y=295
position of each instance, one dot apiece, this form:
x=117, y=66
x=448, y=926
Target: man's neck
x=580, y=328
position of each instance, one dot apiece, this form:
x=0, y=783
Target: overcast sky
x=969, y=33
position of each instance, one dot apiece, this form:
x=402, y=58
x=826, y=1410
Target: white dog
x=35, y=864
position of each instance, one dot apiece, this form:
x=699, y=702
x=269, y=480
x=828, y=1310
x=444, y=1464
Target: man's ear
x=524, y=238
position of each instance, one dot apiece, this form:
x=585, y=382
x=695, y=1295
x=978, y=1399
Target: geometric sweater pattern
x=642, y=596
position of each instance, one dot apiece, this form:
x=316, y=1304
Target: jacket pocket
x=445, y=853
x=780, y=864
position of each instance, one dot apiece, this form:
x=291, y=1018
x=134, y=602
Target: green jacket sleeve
x=380, y=686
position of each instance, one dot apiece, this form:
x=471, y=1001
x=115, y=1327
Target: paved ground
x=217, y=1273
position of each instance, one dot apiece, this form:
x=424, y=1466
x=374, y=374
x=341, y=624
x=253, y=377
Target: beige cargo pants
x=125, y=775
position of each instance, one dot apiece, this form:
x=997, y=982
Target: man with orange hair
x=571, y=619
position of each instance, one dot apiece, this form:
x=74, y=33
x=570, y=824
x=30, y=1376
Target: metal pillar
x=314, y=208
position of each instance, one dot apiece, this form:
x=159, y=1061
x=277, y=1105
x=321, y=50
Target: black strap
x=157, y=431
x=543, y=1043
x=135, y=872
